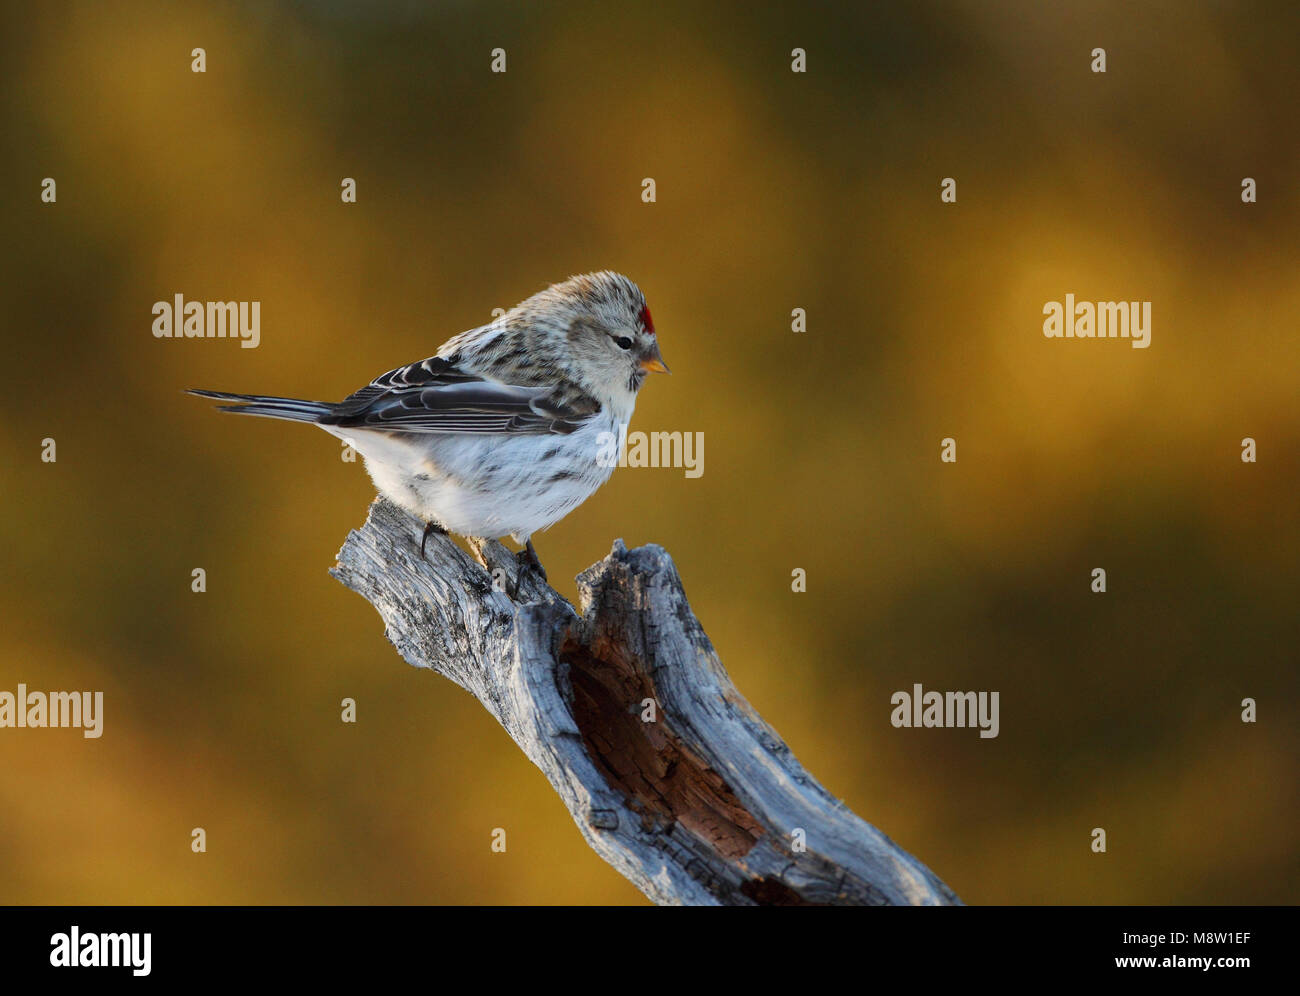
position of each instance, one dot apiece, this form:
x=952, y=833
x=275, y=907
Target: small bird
x=507, y=428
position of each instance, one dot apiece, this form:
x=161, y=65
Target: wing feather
x=437, y=396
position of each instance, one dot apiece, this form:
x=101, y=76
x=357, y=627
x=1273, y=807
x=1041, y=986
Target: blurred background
x=775, y=191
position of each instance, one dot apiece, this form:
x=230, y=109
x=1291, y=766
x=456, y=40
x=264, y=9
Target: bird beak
x=654, y=363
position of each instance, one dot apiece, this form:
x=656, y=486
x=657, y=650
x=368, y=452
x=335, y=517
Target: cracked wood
x=699, y=806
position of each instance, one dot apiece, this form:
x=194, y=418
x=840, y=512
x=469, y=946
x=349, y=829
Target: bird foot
x=528, y=558
x=430, y=528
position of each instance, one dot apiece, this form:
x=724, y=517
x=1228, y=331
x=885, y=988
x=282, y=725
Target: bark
x=623, y=704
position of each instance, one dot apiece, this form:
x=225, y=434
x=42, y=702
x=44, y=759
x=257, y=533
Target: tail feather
x=291, y=409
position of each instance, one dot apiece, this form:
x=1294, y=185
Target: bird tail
x=291, y=409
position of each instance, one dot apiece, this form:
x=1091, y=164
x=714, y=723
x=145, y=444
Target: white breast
x=491, y=485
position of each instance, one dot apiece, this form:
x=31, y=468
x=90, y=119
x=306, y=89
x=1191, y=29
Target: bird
x=507, y=428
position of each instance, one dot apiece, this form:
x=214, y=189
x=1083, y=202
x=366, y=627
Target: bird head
x=604, y=324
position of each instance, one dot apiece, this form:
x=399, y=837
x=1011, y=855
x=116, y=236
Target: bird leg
x=528, y=558
x=476, y=545
x=430, y=527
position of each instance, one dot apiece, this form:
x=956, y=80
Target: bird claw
x=528, y=558
x=430, y=528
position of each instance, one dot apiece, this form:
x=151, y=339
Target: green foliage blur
x=775, y=191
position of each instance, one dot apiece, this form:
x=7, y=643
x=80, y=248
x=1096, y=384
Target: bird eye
x=623, y=342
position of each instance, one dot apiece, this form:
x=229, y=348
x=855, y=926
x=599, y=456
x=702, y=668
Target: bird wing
x=437, y=396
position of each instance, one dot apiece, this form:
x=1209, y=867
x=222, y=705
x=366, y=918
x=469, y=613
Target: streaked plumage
x=501, y=431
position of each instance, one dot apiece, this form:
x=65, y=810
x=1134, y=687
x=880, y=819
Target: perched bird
x=508, y=427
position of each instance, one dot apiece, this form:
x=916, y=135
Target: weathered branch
x=701, y=804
